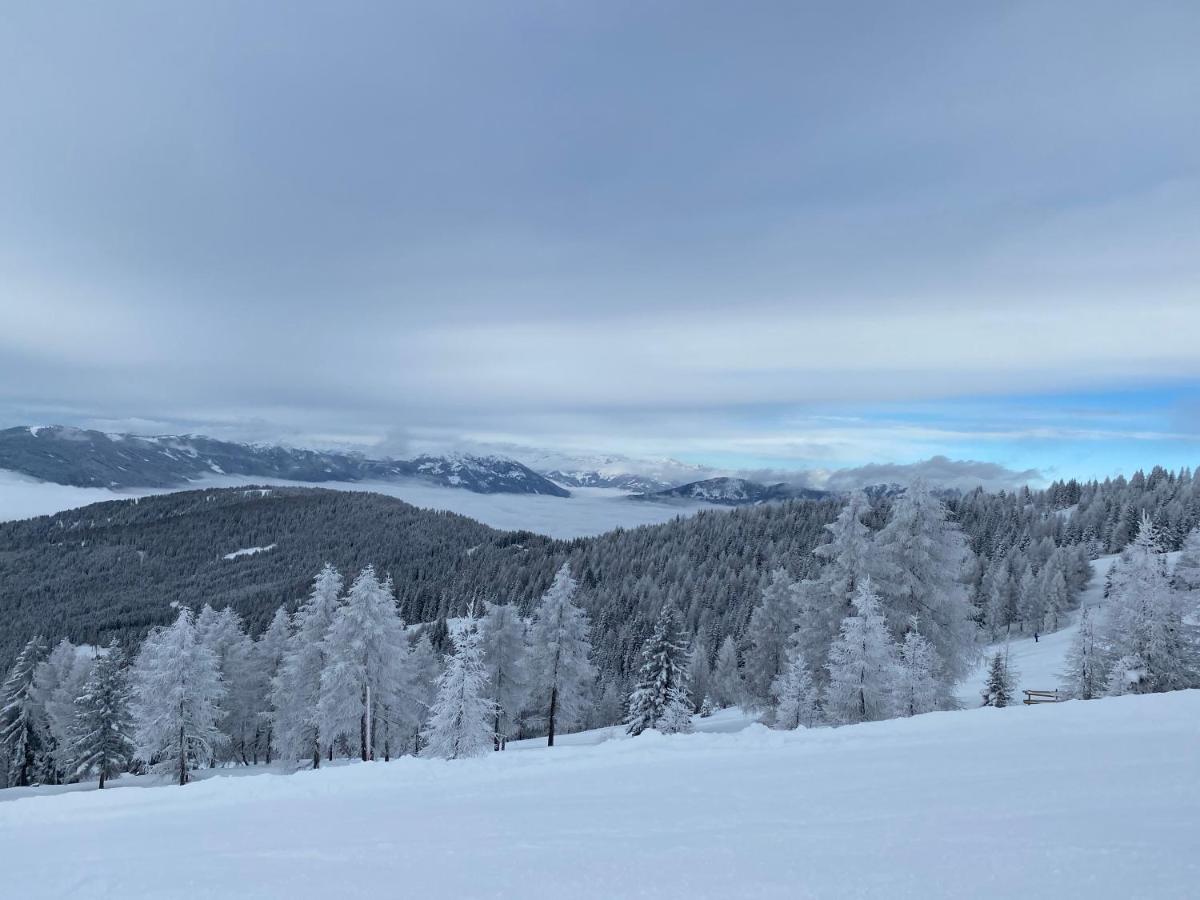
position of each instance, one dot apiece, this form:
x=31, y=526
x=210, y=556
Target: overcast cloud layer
x=769, y=236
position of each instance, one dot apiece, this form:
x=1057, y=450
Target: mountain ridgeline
x=98, y=459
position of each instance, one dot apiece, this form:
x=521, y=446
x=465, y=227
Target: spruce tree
x=660, y=698
x=916, y=684
x=424, y=670
x=269, y=652
x=998, y=691
x=461, y=720
x=58, y=681
x=1087, y=670
x=561, y=673
x=102, y=744
x=20, y=715
x=797, y=698
x=727, y=675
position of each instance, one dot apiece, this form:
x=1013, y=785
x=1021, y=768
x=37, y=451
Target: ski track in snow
x=587, y=512
x=1091, y=799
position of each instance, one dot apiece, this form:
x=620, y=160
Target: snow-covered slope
x=1097, y=799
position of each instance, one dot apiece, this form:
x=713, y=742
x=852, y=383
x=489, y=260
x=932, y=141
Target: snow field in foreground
x=1096, y=799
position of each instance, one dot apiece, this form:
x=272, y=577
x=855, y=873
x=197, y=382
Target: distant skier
x=1035, y=637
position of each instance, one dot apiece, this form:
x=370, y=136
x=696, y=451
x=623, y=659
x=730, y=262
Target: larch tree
x=502, y=643
x=923, y=556
x=57, y=682
x=425, y=668
x=660, y=697
x=727, y=675
x=829, y=597
x=176, y=694
x=269, y=652
x=1086, y=674
x=768, y=635
x=365, y=669
x=561, y=672
x=21, y=731
x=296, y=688
x=461, y=720
x=102, y=743
x=223, y=633
x=862, y=663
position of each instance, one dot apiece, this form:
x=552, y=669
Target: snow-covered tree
x=561, y=674
x=461, y=723
x=296, y=689
x=1087, y=668
x=797, y=698
x=923, y=557
x=769, y=633
x=660, y=698
x=102, y=740
x=862, y=663
x=58, y=681
x=176, y=689
x=223, y=633
x=998, y=691
x=1187, y=567
x=727, y=675
x=21, y=731
x=706, y=707
x=828, y=598
x=424, y=669
x=916, y=684
x=502, y=643
x=365, y=669
x=1152, y=645
x=269, y=652
x=699, y=676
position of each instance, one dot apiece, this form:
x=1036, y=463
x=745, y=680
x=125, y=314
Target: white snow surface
x=249, y=551
x=1091, y=799
x=588, y=511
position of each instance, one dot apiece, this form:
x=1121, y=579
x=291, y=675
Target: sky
x=763, y=236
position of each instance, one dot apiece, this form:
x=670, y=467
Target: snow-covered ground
x=1097, y=799
x=588, y=511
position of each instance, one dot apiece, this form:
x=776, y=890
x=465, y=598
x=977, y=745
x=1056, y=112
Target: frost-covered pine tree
x=727, y=675
x=269, y=651
x=21, y=732
x=699, y=676
x=916, y=684
x=176, y=693
x=998, y=690
x=706, y=707
x=660, y=698
x=366, y=651
x=1153, y=646
x=768, y=634
x=923, y=556
x=1087, y=669
x=797, y=698
x=502, y=643
x=828, y=598
x=862, y=663
x=57, y=682
x=102, y=741
x=296, y=689
x=561, y=673
x=461, y=721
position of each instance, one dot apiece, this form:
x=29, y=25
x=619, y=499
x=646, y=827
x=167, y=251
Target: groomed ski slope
x=1082, y=799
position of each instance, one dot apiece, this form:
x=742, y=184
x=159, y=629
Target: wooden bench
x=1044, y=697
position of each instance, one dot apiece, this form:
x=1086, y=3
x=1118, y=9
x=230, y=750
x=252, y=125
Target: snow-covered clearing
x=588, y=511
x=249, y=551
x=1097, y=799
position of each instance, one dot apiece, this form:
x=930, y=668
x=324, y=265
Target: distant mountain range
x=732, y=492
x=625, y=481
x=84, y=458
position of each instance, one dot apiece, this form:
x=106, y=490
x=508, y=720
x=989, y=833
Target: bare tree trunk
x=553, y=712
